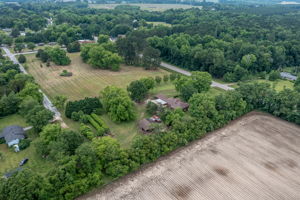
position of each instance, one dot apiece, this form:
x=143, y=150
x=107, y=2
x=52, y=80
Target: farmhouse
x=288, y=76
x=172, y=103
x=12, y=135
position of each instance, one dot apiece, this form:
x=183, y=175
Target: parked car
x=23, y=162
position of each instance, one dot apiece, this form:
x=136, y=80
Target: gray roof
x=11, y=133
x=288, y=76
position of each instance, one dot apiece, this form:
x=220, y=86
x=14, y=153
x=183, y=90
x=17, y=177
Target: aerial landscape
x=142, y=100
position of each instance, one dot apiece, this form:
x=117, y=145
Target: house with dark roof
x=172, y=103
x=13, y=135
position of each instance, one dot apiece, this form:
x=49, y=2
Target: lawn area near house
x=12, y=120
x=12, y=159
x=86, y=81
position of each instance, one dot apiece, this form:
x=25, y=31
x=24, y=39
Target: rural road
x=46, y=101
x=187, y=73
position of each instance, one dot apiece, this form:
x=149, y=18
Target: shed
x=145, y=125
x=12, y=135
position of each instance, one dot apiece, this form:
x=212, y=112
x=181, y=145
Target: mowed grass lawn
x=86, y=81
x=12, y=120
x=11, y=159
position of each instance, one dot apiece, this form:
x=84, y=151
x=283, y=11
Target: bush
x=22, y=59
x=100, y=130
x=274, y=75
x=86, y=131
x=2, y=141
x=166, y=78
x=66, y=73
x=100, y=122
x=24, y=144
x=87, y=105
x=158, y=79
x=151, y=108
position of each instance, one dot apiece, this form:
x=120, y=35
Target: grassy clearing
x=150, y=7
x=160, y=23
x=86, y=81
x=12, y=120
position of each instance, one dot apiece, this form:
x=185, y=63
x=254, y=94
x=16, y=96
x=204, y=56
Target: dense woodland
x=225, y=42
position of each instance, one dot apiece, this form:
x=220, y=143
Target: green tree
x=19, y=47
x=274, y=75
x=31, y=46
x=58, y=56
x=59, y=101
x=149, y=82
x=166, y=78
x=33, y=186
x=137, y=90
x=38, y=117
x=22, y=58
x=103, y=59
x=202, y=107
x=158, y=79
x=32, y=89
x=150, y=58
x=73, y=47
x=117, y=104
x=103, y=39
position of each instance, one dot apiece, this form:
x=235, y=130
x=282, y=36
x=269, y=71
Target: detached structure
x=13, y=135
x=145, y=125
x=172, y=103
x=86, y=41
x=288, y=76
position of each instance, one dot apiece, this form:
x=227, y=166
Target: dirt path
x=254, y=157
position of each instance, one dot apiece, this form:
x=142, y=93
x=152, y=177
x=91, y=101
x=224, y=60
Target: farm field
x=150, y=7
x=86, y=81
x=254, y=157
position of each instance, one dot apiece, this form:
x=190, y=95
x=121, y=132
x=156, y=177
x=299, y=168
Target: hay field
x=254, y=157
x=149, y=7
x=86, y=81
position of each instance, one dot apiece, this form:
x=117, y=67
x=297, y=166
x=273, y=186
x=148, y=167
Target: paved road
x=46, y=101
x=187, y=73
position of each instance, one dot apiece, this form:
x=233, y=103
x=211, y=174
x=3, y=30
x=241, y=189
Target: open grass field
x=86, y=81
x=254, y=157
x=150, y=7
x=12, y=120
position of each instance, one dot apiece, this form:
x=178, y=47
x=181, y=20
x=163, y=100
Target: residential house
x=172, y=103
x=288, y=76
x=13, y=135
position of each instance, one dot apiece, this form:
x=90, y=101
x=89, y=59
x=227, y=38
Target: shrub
x=87, y=105
x=274, y=75
x=100, y=122
x=24, y=144
x=86, y=131
x=66, y=73
x=22, y=59
x=151, y=108
x=100, y=130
